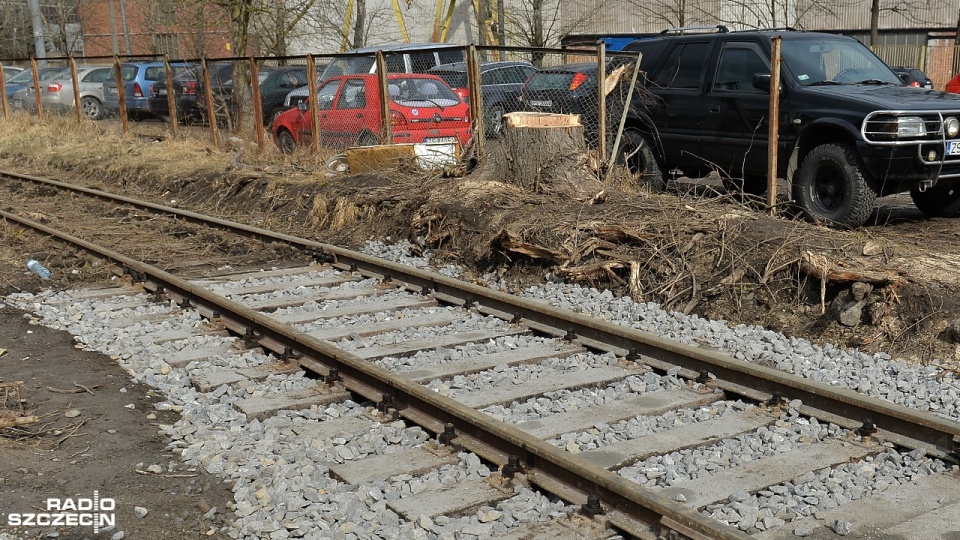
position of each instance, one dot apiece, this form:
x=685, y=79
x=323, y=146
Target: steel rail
x=627, y=504
x=936, y=435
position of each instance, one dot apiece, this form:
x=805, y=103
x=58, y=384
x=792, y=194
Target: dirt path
x=105, y=440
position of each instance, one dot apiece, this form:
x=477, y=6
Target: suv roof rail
x=721, y=29
x=775, y=29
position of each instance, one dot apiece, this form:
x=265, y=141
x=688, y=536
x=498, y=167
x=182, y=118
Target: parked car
x=953, y=86
x=565, y=89
x=422, y=109
x=138, y=80
x=912, y=76
x=189, y=94
x=57, y=95
x=275, y=87
x=849, y=130
x=500, y=84
x=402, y=58
x=10, y=71
x=16, y=86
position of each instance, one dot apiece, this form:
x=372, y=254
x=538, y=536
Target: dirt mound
x=693, y=250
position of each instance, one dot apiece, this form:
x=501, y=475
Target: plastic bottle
x=38, y=269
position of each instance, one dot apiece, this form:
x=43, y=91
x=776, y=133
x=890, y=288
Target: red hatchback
x=422, y=109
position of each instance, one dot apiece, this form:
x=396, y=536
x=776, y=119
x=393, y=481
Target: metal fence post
x=601, y=105
x=383, y=86
x=3, y=91
x=171, y=101
x=257, y=105
x=208, y=95
x=36, y=88
x=476, y=100
x=121, y=93
x=312, y=101
x=773, y=115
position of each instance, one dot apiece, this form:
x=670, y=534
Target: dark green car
x=275, y=87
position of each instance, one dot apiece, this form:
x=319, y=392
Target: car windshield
x=454, y=79
x=835, y=61
x=348, y=66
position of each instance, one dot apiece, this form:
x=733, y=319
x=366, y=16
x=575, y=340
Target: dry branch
x=822, y=268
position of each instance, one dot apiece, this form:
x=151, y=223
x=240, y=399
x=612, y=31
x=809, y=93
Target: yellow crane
x=441, y=21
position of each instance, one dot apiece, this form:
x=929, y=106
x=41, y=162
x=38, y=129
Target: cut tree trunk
x=542, y=148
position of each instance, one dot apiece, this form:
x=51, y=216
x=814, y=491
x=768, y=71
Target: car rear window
x=419, y=89
x=158, y=73
x=550, y=80
x=454, y=79
x=127, y=72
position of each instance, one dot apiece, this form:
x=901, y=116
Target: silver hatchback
x=56, y=94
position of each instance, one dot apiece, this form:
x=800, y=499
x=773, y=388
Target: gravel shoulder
x=113, y=446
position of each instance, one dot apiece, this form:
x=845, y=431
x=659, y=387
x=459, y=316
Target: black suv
x=850, y=130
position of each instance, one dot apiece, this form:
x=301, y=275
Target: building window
x=164, y=12
x=167, y=44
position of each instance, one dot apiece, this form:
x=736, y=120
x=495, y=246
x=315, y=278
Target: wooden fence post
x=383, y=85
x=121, y=94
x=3, y=91
x=76, y=89
x=476, y=99
x=312, y=101
x=601, y=106
x=257, y=105
x=36, y=88
x=171, y=96
x=208, y=95
x=773, y=138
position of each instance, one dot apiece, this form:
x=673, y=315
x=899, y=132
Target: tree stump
x=542, y=148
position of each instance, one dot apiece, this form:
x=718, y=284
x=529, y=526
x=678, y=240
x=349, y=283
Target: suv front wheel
x=830, y=187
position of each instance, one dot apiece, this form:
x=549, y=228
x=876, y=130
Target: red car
x=422, y=109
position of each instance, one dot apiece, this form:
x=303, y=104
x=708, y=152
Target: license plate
x=541, y=102
x=161, y=91
x=953, y=148
x=439, y=139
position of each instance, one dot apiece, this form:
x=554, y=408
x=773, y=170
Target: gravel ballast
x=271, y=468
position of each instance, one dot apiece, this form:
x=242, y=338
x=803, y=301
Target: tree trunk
x=874, y=23
x=542, y=148
x=359, y=32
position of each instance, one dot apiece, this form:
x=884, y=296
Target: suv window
x=494, y=76
x=395, y=63
x=97, y=75
x=684, y=67
x=738, y=63
x=449, y=57
x=420, y=62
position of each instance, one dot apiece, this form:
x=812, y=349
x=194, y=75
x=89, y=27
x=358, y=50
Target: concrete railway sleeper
x=481, y=399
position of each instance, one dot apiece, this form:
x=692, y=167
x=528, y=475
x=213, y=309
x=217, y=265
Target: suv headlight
x=910, y=126
x=951, y=126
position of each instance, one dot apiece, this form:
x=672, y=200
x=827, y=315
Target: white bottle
x=38, y=269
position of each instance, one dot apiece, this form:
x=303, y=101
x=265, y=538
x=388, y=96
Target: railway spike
x=385, y=404
x=333, y=376
x=775, y=400
x=704, y=376
x=867, y=429
x=516, y=319
x=511, y=468
x=425, y=291
x=448, y=435
x=287, y=353
x=184, y=302
x=387, y=278
x=570, y=335
x=633, y=355
x=592, y=507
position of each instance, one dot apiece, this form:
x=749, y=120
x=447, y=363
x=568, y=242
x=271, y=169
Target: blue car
x=138, y=79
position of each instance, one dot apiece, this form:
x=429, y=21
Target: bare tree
x=276, y=23
x=16, y=31
x=914, y=11
x=670, y=13
x=538, y=23
x=329, y=27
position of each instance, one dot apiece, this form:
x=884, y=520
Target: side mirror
x=761, y=81
x=303, y=105
x=904, y=77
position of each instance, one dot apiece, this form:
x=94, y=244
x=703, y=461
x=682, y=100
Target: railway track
x=638, y=435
